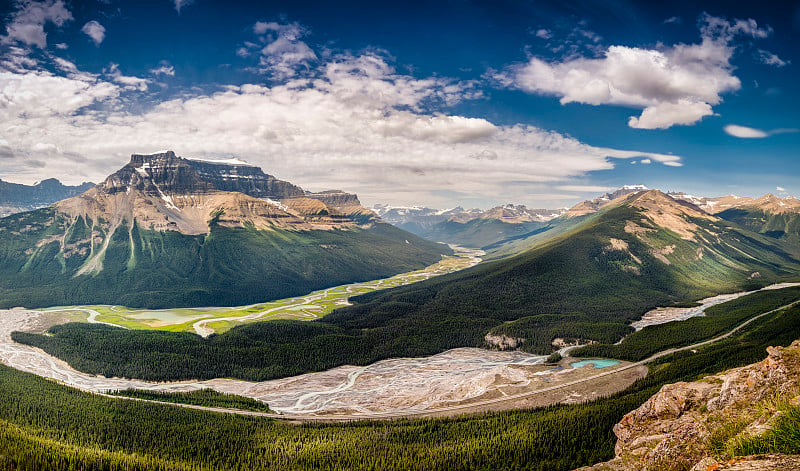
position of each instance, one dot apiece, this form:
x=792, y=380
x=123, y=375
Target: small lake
x=596, y=363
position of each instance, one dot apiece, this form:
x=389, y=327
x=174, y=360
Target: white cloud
x=164, y=69
x=645, y=161
x=17, y=59
x=753, y=133
x=769, y=58
x=130, y=82
x=665, y=115
x=30, y=99
x=744, y=132
x=280, y=50
x=673, y=19
x=179, y=4
x=543, y=33
x=675, y=85
x=780, y=188
x=261, y=27
x=95, y=31
x=27, y=23
x=62, y=46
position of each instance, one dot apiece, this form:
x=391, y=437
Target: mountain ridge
x=16, y=197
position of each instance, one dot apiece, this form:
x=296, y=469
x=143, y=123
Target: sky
x=439, y=103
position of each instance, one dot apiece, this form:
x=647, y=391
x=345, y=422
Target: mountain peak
x=167, y=192
x=591, y=206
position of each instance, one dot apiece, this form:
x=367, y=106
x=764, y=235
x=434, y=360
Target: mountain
x=751, y=410
x=16, y=198
x=641, y=251
x=769, y=215
x=472, y=227
x=166, y=231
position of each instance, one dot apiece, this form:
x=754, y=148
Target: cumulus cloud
x=280, y=49
x=27, y=23
x=95, y=31
x=675, y=85
x=780, y=188
x=34, y=97
x=769, y=58
x=543, y=33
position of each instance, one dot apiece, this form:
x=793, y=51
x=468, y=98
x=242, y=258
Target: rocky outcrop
x=671, y=431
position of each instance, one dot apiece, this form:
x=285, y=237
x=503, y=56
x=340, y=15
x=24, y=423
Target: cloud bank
x=347, y=121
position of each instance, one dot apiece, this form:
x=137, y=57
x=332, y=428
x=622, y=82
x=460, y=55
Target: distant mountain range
x=16, y=198
x=468, y=227
x=514, y=228
x=167, y=231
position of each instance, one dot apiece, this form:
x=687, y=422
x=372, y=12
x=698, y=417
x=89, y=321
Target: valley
x=455, y=382
x=208, y=320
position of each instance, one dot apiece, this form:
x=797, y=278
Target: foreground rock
x=673, y=429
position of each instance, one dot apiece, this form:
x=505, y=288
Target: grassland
x=208, y=320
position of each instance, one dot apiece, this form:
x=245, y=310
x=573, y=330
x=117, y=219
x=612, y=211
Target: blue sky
x=430, y=103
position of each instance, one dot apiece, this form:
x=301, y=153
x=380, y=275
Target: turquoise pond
x=596, y=363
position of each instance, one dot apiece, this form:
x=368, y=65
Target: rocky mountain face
x=166, y=231
x=769, y=215
x=468, y=227
x=16, y=198
x=165, y=192
x=768, y=203
x=683, y=426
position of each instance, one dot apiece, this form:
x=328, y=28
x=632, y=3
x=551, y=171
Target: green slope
x=785, y=226
x=49, y=259
x=575, y=286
